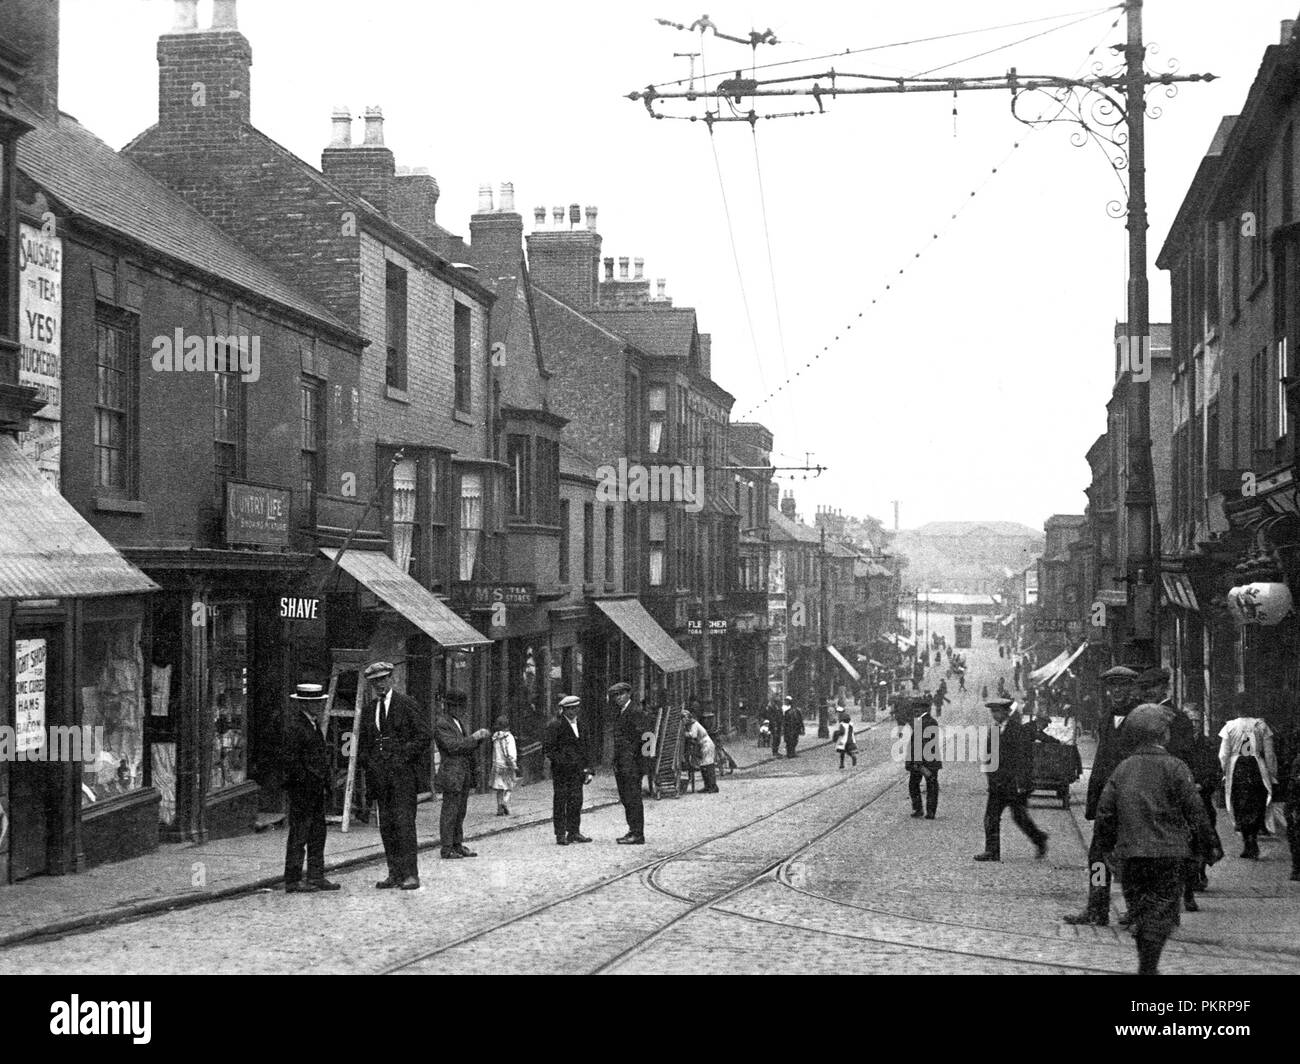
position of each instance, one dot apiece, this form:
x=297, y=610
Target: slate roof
x=97, y=183
x=782, y=528
x=663, y=331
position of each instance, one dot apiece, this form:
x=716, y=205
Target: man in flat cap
x=1113, y=745
x=458, y=772
x=1148, y=812
x=565, y=745
x=394, y=736
x=629, y=727
x=307, y=785
x=1009, y=771
x=922, y=753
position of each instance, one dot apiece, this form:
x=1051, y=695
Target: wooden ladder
x=668, y=753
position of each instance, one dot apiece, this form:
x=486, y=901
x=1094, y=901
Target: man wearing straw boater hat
x=306, y=782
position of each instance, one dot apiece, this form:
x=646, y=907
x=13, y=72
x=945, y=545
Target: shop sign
x=1260, y=603
x=487, y=595
x=257, y=514
x=29, y=707
x=40, y=314
x=717, y=626
x=303, y=615
x=1052, y=624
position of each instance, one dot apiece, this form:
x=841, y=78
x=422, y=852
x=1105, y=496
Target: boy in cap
x=1148, y=812
x=307, y=784
x=565, y=744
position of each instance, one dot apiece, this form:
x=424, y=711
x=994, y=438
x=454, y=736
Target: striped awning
x=635, y=623
x=417, y=604
x=47, y=549
x=843, y=663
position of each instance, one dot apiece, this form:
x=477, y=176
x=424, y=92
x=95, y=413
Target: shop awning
x=635, y=623
x=419, y=606
x=843, y=663
x=1069, y=661
x=1043, y=673
x=47, y=549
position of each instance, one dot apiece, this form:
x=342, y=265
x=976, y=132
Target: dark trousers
x=1098, y=880
x=451, y=821
x=1196, y=866
x=776, y=740
x=395, y=792
x=566, y=803
x=306, y=836
x=914, y=777
x=1153, y=887
x=1249, y=798
x=791, y=741
x=710, y=774
x=1293, y=833
x=1004, y=797
x=629, y=793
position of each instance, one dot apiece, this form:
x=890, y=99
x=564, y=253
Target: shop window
x=471, y=523
x=228, y=695
x=463, y=367
x=115, y=387
x=112, y=705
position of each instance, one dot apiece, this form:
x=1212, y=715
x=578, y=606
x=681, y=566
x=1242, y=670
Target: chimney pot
x=484, y=199
x=187, y=16
x=342, y=123
x=223, y=15
x=508, y=197
x=374, y=127
x=591, y=218
x=661, y=285
x=639, y=266
x=575, y=214
x=557, y=215
x=1288, y=30
x=622, y=269
x=609, y=269
x=539, y=216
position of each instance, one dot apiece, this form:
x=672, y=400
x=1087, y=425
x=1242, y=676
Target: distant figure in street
x=984, y=693
x=792, y=727
x=1015, y=675
x=307, y=785
x=629, y=726
x=961, y=680
x=765, y=733
x=1009, y=769
x=845, y=743
x=567, y=749
x=922, y=755
x=458, y=773
x=505, y=764
x=1249, y=769
x=1203, y=760
x=1148, y=813
x=701, y=751
x=775, y=718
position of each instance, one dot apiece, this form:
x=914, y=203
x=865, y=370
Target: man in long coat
x=792, y=727
x=629, y=726
x=458, y=772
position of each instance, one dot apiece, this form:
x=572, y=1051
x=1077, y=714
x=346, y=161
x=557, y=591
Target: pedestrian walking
x=307, y=786
x=457, y=774
x=845, y=741
x=701, y=751
x=1009, y=768
x=1203, y=760
x=628, y=729
x=920, y=743
x=505, y=764
x=1249, y=770
x=792, y=726
x=1148, y=813
x=394, y=736
x=1112, y=747
x=565, y=746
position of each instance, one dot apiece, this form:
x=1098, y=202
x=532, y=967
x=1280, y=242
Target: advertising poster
x=29, y=689
x=40, y=333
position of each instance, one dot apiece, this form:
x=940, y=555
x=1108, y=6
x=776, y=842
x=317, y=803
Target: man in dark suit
x=629, y=727
x=1009, y=773
x=774, y=718
x=792, y=727
x=458, y=773
x=566, y=747
x=1112, y=747
x=307, y=784
x=923, y=756
x=394, y=736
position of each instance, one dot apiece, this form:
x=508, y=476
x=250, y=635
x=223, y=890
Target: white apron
x=1247, y=737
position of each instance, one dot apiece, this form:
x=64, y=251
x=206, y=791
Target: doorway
x=34, y=781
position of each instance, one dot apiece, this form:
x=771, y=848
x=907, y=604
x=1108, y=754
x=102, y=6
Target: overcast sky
x=975, y=384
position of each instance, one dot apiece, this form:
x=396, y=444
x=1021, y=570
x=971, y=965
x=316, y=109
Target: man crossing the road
x=1009, y=770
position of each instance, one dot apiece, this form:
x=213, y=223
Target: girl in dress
x=505, y=767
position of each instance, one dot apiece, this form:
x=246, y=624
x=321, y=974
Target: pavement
x=182, y=875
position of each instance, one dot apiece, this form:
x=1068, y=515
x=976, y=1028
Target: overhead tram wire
x=942, y=231
x=907, y=43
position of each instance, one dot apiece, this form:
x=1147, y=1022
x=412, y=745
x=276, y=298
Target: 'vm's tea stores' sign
x=40, y=332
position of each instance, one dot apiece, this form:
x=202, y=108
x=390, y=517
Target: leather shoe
x=465, y=852
x=325, y=884
x=1040, y=849
x=388, y=884
x=1189, y=904
x=578, y=837
x=1086, y=918
x=411, y=883
x=451, y=855
x=300, y=888
x=987, y=857
x=929, y=816
x=1125, y=920
x=917, y=814
x=561, y=841
x=631, y=840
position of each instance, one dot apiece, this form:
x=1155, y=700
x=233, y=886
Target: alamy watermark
x=179, y=353
x=60, y=742
x=632, y=482
x=975, y=744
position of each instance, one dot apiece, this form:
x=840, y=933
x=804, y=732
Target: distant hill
x=966, y=556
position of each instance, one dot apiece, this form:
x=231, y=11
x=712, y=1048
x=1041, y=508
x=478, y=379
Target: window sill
x=462, y=417
x=397, y=395
x=113, y=505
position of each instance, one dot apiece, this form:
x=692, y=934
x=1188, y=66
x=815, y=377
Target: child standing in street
x=844, y=741
x=505, y=767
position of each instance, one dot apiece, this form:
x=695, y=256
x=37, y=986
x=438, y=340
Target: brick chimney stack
x=567, y=260
x=496, y=237
x=32, y=27
x=413, y=202
x=787, y=505
x=366, y=169
x=204, y=75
